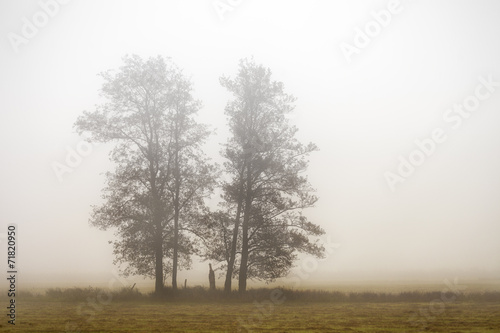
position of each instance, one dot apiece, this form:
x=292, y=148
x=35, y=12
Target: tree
x=267, y=191
x=193, y=178
x=161, y=176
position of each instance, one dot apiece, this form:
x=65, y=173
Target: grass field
x=288, y=317
x=92, y=310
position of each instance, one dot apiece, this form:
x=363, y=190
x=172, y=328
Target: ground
x=291, y=316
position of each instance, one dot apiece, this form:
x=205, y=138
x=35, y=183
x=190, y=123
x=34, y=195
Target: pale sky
x=363, y=113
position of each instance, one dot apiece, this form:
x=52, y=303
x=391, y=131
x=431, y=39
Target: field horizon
x=453, y=309
x=478, y=284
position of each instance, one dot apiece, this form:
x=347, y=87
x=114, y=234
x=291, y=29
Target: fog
x=385, y=220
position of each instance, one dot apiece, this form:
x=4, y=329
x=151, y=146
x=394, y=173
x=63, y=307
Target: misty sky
x=363, y=109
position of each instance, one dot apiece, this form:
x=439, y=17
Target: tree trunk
x=177, y=174
x=159, y=263
x=176, y=246
x=232, y=255
x=157, y=217
x=242, y=285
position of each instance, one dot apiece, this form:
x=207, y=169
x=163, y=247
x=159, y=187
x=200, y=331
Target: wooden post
x=211, y=277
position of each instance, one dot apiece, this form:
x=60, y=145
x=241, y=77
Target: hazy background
x=443, y=222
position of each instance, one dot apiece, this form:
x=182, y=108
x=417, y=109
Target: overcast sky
x=366, y=91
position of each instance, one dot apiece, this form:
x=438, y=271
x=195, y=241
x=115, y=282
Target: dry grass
x=44, y=316
x=199, y=310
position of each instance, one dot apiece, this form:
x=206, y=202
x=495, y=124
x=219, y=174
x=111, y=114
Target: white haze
x=442, y=222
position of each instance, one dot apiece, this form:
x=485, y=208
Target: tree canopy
x=261, y=227
x=155, y=197
x=161, y=174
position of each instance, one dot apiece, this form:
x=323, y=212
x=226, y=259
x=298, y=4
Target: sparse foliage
x=161, y=175
x=261, y=228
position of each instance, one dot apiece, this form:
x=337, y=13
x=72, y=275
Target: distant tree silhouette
x=260, y=228
x=161, y=176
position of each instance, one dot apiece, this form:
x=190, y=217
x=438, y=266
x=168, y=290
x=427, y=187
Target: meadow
x=260, y=310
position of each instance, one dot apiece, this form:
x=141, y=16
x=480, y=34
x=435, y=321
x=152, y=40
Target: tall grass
x=83, y=294
x=201, y=294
